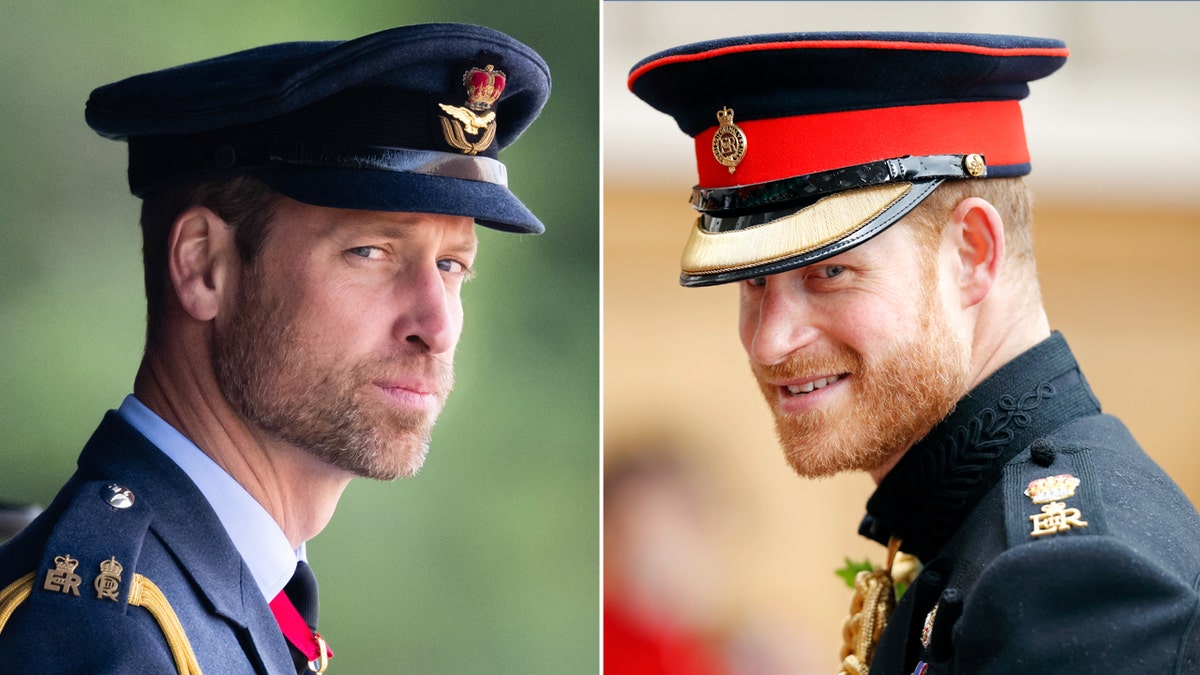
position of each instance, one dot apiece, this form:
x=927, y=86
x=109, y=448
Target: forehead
x=298, y=221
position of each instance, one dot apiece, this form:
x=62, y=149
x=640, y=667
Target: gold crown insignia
x=484, y=86
x=1052, y=488
x=65, y=563
x=728, y=143
x=111, y=566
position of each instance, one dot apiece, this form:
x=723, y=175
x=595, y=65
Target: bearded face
x=856, y=356
x=890, y=400
x=288, y=382
x=339, y=338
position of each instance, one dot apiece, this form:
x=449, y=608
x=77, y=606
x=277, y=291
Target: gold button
x=974, y=165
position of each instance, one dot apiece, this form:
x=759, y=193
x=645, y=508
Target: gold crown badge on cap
x=484, y=86
x=729, y=143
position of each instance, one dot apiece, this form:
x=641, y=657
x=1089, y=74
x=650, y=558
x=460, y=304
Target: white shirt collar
x=255, y=534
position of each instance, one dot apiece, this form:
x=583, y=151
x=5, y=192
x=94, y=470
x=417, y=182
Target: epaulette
x=1051, y=491
x=91, y=556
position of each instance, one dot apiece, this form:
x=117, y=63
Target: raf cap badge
x=1055, y=516
x=484, y=86
x=729, y=143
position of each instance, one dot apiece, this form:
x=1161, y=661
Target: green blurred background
x=487, y=561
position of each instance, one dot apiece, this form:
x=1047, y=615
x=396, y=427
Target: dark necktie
x=299, y=596
x=302, y=591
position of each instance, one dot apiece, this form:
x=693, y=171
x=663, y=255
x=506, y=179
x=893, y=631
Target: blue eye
x=757, y=282
x=365, y=251
x=830, y=271
x=452, y=266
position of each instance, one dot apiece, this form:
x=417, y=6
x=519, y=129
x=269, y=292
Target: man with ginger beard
x=308, y=220
x=865, y=192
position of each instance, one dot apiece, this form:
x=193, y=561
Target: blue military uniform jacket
x=80, y=617
x=1103, y=580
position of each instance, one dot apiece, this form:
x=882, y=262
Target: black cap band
x=735, y=208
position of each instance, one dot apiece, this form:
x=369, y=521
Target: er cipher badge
x=1056, y=516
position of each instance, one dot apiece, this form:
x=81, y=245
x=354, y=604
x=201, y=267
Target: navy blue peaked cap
x=406, y=119
x=808, y=144
x=839, y=71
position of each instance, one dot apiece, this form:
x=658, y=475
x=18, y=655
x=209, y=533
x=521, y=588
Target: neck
x=998, y=337
x=299, y=491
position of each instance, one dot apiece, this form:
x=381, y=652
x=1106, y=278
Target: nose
x=431, y=314
x=776, y=321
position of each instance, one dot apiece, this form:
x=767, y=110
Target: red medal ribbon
x=295, y=629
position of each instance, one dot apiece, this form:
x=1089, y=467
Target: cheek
x=869, y=321
x=331, y=312
x=455, y=308
x=749, y=311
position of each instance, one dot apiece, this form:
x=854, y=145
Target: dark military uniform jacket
x=1103, y=580
x=80, y=615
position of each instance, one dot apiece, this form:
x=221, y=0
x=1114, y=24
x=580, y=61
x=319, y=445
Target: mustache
x=433, y=370
x=803, y=364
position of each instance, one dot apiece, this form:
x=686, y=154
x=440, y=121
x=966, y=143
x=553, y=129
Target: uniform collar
x=924, y=499
x=255, y=534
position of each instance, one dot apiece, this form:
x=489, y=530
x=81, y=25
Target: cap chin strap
x=797, y=239
x=757, y=230
x=719, y=203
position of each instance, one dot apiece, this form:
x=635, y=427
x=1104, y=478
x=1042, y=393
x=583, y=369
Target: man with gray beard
x=308, y=220
x=864, y=191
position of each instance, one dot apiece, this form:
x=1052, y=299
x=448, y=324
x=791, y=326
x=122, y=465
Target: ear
x=978, y=234
x=200, y=257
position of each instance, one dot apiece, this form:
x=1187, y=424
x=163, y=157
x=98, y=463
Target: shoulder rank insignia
x=729, y=143
x=484, y=86
x=108, y=582
x=62, y=579
x=1055, y=515
x=1052, y=488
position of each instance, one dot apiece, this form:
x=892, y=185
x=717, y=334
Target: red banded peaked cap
x=806, y=115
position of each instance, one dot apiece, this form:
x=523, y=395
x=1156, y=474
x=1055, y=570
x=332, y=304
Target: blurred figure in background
x=662, y=574
x=668, y=605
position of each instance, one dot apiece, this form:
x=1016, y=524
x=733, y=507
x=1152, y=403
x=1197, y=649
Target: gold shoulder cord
x=870, y=608
x=14, y=594
x=142, y=593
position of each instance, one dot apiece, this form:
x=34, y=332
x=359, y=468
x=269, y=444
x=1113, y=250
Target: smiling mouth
x=813, y=385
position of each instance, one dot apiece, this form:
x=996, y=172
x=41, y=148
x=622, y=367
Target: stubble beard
x=283, y=383
x=892, y=402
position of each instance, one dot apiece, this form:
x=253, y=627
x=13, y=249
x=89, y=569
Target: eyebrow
x=466, y=247
x=401, y=230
